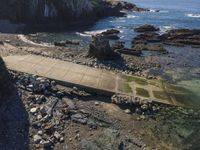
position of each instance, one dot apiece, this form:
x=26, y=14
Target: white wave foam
x=118, y=20
x=131, y=16
x=95, y=32
x=194, y=15
x=26, y=40
x=82, y=34
x=164, y=29
x=153, y=10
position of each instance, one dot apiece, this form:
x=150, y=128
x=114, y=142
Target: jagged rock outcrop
x=100, y=47
x=48, y=10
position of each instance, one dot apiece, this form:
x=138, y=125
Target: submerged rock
x=62, y=43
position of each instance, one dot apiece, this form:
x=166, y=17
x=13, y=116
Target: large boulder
x=146, y=28
x=100, y=47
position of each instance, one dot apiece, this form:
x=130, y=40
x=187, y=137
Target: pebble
x=40, y=132
x=62, y=139
x=34, y=110
x=57, y=135
x=39, y=117
x=96, y=103
x=37, y=138
x=127, y=111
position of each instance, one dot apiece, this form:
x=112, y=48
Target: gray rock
x=88, y=145
x=33, y=110
x=79, y=118
x=127, y=111
x=57, y=135
x=70, y=103
x=37, y=138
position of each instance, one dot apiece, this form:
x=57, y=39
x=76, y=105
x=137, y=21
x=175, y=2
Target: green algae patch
x=127, y=88
x=142, y=92
x=160, y=95
x=137, y=80
x=124, y=87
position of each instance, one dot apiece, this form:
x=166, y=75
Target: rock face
x=100, y=47
x=5, y=82
x=49, y=10
x=123, y=5
x=146, y=28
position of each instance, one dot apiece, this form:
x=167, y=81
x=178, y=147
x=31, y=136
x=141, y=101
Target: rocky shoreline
x=38, y=113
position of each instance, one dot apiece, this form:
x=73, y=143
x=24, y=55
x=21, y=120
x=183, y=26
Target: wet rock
x=72, y=42
x=128, y=51
x=111, y=34
x=111, y=31
x=62, y=43
x=146, y=28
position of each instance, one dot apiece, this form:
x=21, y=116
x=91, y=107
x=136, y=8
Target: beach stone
x=33, y=110
x=57, y=135
x=37, y=138
x=127, y=111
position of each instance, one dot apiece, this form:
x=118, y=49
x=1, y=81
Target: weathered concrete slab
x=94, y=79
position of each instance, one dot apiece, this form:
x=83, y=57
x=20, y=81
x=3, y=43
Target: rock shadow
x=14, y=120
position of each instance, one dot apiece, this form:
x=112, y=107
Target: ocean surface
x=185, y=69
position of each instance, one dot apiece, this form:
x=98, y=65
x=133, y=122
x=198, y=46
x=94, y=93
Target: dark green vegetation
x=142, y=92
